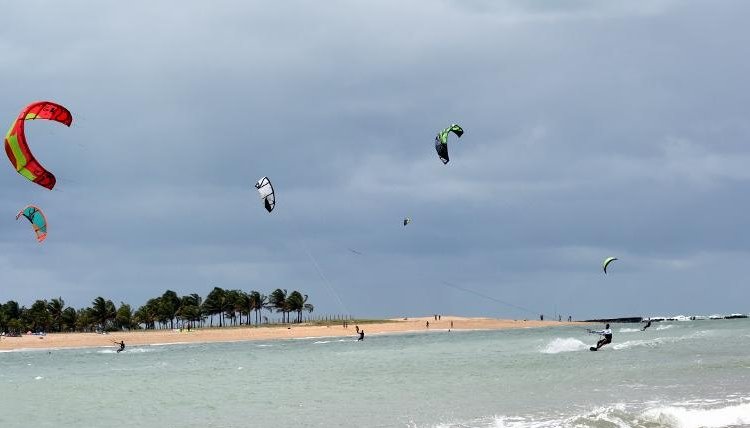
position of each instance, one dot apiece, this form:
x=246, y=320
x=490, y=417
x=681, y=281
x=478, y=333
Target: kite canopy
x=266, y=193
x=17, y=148
x=407, y=220
x=441, y=141
x=606, y=263
x=37, y=219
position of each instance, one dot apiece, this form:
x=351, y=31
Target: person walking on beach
x=357, y=328
x=427, y=325
x=607, y=333
x=451, y=324
x=122, y=346
x=647, y=325
x=361, y=335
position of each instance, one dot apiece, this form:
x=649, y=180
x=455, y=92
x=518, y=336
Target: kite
x=17, y=148
x=266, y=193
x=441, y=141
x=606, y=263
x=407, y=220
x=37, y=219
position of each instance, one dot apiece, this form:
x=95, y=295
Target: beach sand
x=244, y=333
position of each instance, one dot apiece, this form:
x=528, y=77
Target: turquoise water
x=682, y=374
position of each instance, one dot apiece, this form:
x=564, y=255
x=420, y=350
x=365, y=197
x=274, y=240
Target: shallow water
x=681, y=374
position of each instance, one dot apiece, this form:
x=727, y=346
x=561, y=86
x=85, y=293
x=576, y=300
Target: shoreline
x=53, y=341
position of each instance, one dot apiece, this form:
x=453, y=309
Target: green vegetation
x=229, y=307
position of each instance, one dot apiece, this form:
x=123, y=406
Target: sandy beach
x=233, y=334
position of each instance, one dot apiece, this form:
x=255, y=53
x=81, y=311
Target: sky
x=592, y=129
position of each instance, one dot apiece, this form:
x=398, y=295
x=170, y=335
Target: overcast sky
x=592, y=129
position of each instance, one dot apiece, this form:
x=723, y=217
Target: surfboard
x=593, y=348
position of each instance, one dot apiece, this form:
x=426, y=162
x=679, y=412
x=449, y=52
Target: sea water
x=681, y=374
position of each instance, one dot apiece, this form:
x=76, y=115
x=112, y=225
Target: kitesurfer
x=361, y=335
x=122, y=346
x=607, y=333
x=647, y=325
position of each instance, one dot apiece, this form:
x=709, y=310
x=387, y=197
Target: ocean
x=678, y=374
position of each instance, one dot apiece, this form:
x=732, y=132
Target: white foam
x=665, y=327
x=623, y=416
x=700, y=418
x=567, y=344
x=650, y=343
x=38, y=378
x=126, y=351
x=629, y=330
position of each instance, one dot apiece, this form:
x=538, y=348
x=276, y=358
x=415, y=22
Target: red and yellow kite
x=17, y=148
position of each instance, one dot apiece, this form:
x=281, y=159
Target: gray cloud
x=592, y=129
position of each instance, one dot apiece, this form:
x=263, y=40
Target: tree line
x=227, y=307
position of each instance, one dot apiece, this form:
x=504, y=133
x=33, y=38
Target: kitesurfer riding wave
x=607, y=333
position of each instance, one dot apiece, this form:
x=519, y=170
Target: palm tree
x=278, y=301
x=170, y=304
x=257, y=303
x=38, y=316
x=99, y=311
x=124, y=317
x=298, y=303
x=85, y=320
x=55, y=307
x=147, y=314
x=241, y=304
x=69, y=318
x=214, y=304
x=307, y=307
x=190, y=308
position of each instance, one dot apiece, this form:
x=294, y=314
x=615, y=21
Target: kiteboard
x=593, y=348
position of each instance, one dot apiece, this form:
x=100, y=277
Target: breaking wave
x=567, y=344
x=724, y=415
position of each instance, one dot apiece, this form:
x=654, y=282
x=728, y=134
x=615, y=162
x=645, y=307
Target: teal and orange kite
x=17, y=148
x=38, y=221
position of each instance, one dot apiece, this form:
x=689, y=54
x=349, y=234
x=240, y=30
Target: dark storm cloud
x=592, y=129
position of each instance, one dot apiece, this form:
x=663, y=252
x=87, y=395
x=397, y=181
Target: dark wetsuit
x=607, y=333
x=361, y=335
x=122, y=347
x=647, y=326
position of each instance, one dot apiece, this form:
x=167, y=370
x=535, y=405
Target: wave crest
x=567, y=344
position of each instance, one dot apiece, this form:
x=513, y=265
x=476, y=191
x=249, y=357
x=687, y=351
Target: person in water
x=607, y=333
x=361, y=335
x=122, y=346
x=647, y=325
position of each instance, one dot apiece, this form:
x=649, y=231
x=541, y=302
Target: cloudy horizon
x=592, y=129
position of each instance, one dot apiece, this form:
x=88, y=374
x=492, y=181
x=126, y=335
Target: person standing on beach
x=361, y=335
x=427, y=325
x=451, y=324
x=357, y=328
